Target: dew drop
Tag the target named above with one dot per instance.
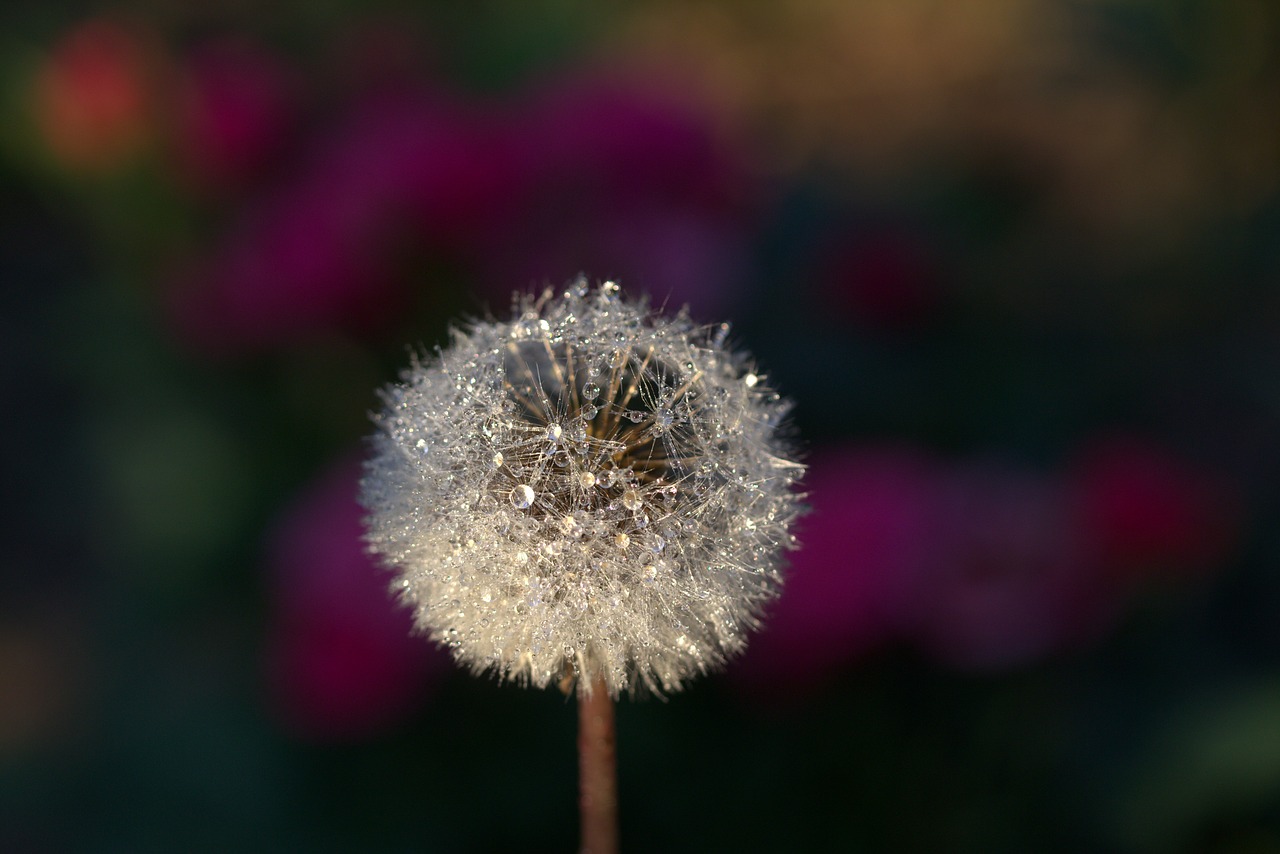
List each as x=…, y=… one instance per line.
x=635, y=416
x=607, y=478
x=751, y=380
x=522, y=496
x=422, y=446
x=586, y=480
x=591, y=391
x=589, y=411
x=497, y=460
x=622, y=541
x=554, y=432
x=630, y=499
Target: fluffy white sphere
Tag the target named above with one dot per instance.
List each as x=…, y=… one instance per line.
x=589, y=491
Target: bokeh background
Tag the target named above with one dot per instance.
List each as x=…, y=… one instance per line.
x=1016, y=261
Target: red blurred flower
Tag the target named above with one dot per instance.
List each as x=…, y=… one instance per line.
x=341, y=662
x=861, y=548
x=93, y=106
x=1151, y=513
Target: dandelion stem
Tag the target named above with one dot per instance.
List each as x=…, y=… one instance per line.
x=597, y=770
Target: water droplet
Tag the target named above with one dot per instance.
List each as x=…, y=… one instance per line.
x=630, y=500
x=607, y=478
x=751, y=380
x=522, y=557
x=622, y=541
x=589, y=412
x=497, y=460
x=635, y=416
x=577, y=289
x=561, y=458
x=591, y=391
x=422, y=446
x=522, y=496
x=663, y=418
x=586, y=480
x=554, y=432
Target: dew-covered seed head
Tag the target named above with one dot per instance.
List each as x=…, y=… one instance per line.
x=589, y=476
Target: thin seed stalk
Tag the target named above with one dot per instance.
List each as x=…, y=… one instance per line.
x=597, y=771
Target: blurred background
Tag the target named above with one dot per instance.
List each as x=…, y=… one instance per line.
x=1016, y=261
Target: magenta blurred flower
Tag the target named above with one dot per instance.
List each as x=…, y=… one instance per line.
x=341, y=660
x=979, y=565
x=882, y=276
x=1009, y=579
x=624, y=179
x=870, y=530
x=1151, y=513
x=403, y=173
x=235, y=107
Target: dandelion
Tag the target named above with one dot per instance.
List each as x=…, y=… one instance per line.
x=591, y=492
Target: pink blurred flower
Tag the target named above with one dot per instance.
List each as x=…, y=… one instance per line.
x=92, y=98
x=1151, y=513
x=341, y=662
x=235, y=106
x=1009, y=579
x=861, y=546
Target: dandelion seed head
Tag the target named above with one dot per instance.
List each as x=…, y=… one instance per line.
x=589, y=489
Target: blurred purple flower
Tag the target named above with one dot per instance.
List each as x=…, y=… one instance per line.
x=1009, y=579
x=235, y=108
x=341, y=662
x=861, y=548
x=1151, y=513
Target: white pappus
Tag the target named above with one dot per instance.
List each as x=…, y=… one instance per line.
x=590, y=491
